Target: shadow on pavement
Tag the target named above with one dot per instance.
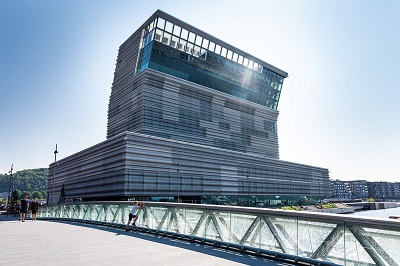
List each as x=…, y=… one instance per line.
x=197, y=247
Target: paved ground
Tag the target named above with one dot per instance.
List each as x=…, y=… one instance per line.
x=64, y=243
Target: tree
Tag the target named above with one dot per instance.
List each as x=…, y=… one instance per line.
x=26, y=180
x=62, y=194
x=37, y=194
x=15, y=197
x=25, y=193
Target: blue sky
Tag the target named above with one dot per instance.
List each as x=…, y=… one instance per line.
x=339, y=106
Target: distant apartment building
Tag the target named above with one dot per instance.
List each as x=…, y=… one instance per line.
x=384, y=190
x=358, y=189
x=340, y=189
x=361, y=189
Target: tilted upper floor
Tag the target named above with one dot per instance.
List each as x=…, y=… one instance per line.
x=170, y=46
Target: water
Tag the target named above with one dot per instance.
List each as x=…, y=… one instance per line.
x=385, y=213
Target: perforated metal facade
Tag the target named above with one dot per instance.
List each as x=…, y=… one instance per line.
x=199, y=123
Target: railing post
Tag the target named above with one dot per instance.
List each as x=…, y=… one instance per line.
x=271, y=231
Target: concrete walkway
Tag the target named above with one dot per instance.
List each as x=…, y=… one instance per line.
x=64, y=243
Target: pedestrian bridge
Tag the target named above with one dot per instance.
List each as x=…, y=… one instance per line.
x=301, y=237
x=66, y=243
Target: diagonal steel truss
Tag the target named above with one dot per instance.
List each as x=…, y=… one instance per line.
x=331, y=238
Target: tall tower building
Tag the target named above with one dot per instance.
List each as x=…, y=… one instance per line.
x=194, y=119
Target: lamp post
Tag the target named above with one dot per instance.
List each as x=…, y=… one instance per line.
x=248, y=189
x=179, y=180
x=54, y=175
x=9, y=190
x=290, y=188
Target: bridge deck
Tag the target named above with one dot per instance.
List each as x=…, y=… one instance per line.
x=63, y=243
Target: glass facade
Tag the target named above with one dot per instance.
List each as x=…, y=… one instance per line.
x=173, y=50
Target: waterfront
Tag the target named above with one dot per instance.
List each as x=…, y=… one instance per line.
x=383, y=213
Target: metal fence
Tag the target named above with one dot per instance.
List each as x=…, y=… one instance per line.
x=302, y=236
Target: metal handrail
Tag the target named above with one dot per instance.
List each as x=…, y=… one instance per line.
x=323, y=237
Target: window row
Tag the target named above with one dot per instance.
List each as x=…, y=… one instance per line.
x=264, y=172
x=182, y=39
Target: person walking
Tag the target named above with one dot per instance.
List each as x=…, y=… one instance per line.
x=35, y=208
x=23, y=208
x=133, y=214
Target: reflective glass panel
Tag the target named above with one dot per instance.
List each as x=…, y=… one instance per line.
x=189, y=48
x=174, y=41
x=250, y=65
x=196, y=51
x=168, y=27
x=203, y=54
x=199, y=39
x=166, y=38
x=217, y=49
x=205, y=43
x=245, y=62
x=240, y=59
x=235, y=57
x=255, y=66
x=229, y=54
x=148, y=38
x=177, y=30
x=192, y=36
x=211, y=47
x=223, y=51
x=158, y=35
x=160, y=23
x=184, y=34
x=152, y=25
x=182, y=45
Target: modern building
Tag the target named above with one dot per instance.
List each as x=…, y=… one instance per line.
x=382, y=191
x=340, y=190
x=349, y=190
x=362, y=189
x=190, y=118
x=358, y=189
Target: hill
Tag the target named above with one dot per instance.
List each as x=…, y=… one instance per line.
x=28, y=180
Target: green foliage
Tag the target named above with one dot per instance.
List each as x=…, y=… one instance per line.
x=25, y=193
x=291, y=208
x=37, y=194
x=328, y=206
x=28, y=181
x=371, y=200
x=15, y=195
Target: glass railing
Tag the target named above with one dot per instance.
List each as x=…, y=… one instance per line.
x=332, y=238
